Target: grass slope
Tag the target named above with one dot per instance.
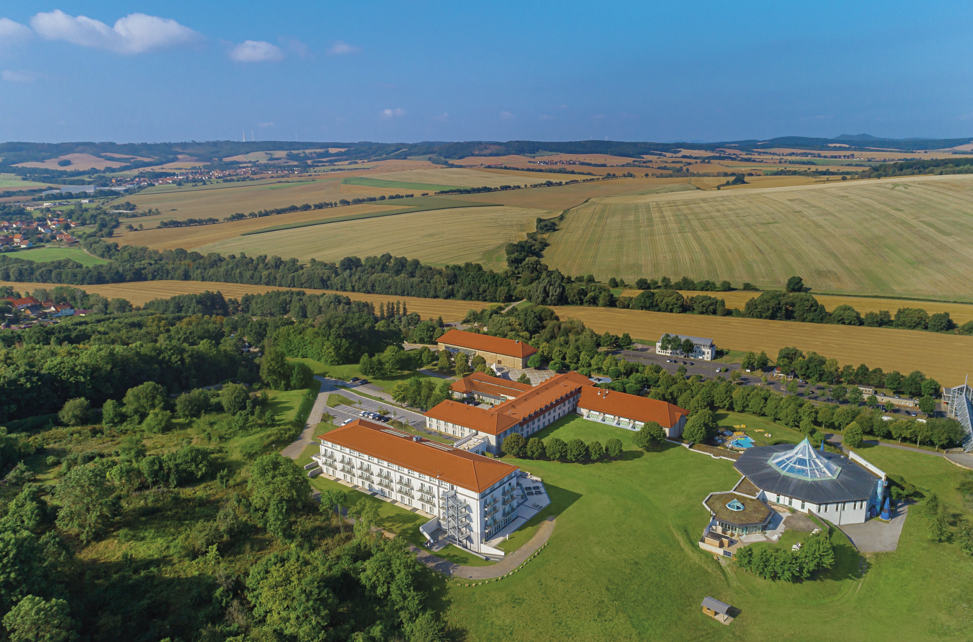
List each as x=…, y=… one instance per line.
x=622, y=563
x=43, y=254
x=901, y=237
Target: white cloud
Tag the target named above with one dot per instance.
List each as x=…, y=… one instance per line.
x=12, y=32
x=443, y=117
x=342, y=48
x=19, y=76
x=506, y=115
x=134, y=34
x=392, y=113
x=256, y=51
x=546, y=117
x=265, y=125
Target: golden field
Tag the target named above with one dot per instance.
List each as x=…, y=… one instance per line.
x=941, y=356
x=78, y=161
x=437, y=237
x=900, y=237
x=461, y=177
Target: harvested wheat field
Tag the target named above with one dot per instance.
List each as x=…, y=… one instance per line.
x=899, y=237
x=140, y=293
x=189, y=238
x=78, y=161
x=436, y=237
x=941, y=356
x=461, y=177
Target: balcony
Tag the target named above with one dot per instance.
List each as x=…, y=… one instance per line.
x=345, y=468
x=491, y=511
x=365, y=476
x=384, y=483
x=509, y=499
x=510, y=489
x=402, y=490
x=427, y=498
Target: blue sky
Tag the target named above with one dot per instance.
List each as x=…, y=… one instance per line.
x=411, y=71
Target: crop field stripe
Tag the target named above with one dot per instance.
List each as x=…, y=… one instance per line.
x=378, y=182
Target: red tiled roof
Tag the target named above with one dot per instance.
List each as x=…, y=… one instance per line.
x=479, y=419
x=486, y=343
x=452, y=465
x=621, y=404
x=485, y=384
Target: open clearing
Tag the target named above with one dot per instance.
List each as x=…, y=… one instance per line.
x=886, y=348
x=940, y=356
x=623, y=564
x=437, y=237
x=960, y=313
x=901, y=237
x=43, y=254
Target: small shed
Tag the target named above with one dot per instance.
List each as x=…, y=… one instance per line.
x=717, y=610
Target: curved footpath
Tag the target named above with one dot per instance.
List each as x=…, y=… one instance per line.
x=501, y=568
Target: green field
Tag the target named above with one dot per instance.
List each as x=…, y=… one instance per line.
x=438, y=237
x=12, y=182
x=43, y=254
x=622, y=563
x=899, y=237
x=378, y=182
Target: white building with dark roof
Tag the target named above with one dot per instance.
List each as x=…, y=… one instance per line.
x=703, y=349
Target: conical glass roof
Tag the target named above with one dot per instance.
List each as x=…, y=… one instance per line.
x=804, y=462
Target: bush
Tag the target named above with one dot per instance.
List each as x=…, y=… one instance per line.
x=577, y=451
x=555, y=449
x=158, y=422
x=535, y=448
x=649, y=435
x=853, y=435
x=141, y=400
x=514, y=445
x=596, y=451
x=112, y=414
x=193, y=404
x=74, y=412
x=613, y=448
x=234, y=398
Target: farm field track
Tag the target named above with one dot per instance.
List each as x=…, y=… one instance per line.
x=886, y=348
x=141, y=292
x=187, y=238
x=899, y=237
x=889, y=349
x=437, y=237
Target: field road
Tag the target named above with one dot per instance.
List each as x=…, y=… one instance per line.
x=944, y=357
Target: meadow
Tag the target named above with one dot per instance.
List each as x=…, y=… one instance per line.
x=437, y=237
x=903, y=237
x=12, y=182
x=43, y=254
x=622, y=563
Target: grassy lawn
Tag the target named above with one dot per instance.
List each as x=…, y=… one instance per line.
x=334, y=399
x=727, y=420
x=43, y=254
x=346, y=372
x=622, y=563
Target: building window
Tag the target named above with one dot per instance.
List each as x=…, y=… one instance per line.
x=802, y=505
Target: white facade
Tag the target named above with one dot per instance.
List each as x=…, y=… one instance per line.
x=838, y=513
x=469, y=518
x=703, y=349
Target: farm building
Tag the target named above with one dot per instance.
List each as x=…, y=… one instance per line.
x=842, y=490
x=703, y=349
x=496, y=350
x=536, y=407
x=470, y=499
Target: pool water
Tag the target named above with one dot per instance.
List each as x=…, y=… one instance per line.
x=742, y=442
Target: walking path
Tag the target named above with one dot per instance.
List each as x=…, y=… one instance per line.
x=836, y=438
x=963, y=460
x=313, y=419
x=501, y=568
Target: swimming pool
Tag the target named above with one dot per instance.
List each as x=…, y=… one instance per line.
x=742, y=442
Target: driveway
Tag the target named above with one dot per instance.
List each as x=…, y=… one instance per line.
x=875, y=536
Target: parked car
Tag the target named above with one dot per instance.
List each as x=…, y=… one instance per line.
x=691, y=363
x=719, y=370
x=346, y=421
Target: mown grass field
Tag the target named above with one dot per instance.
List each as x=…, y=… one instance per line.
x=379, y=182
x=42, y=254
x=437, y=237
x=958, y=312
x=623, y=564
x=902, y=237
x=12, y=182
